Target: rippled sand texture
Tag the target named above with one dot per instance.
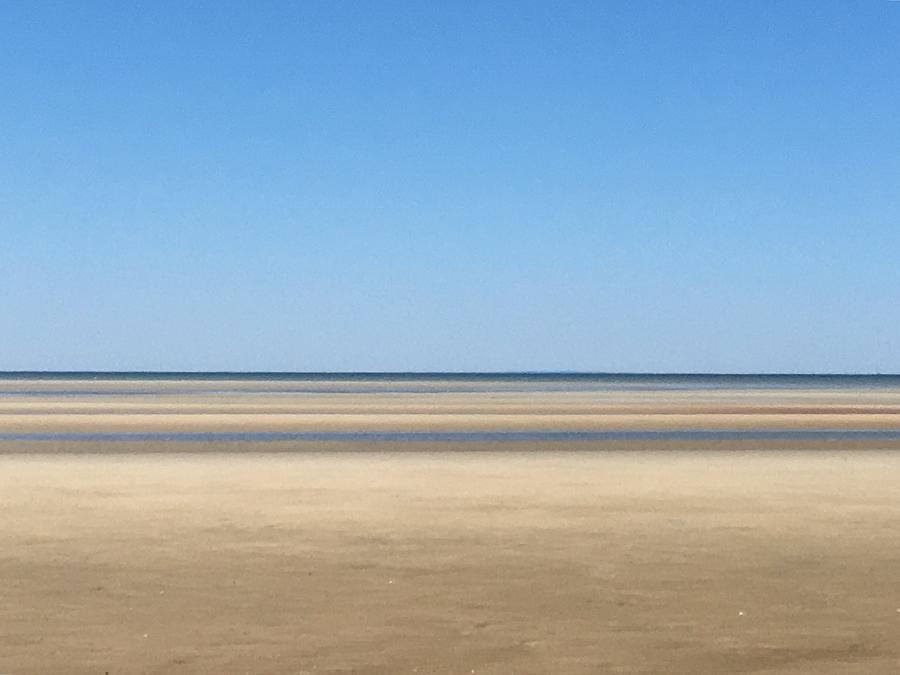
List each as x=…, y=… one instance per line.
x=493, y=563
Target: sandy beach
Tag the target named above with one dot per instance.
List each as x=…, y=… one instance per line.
x=324, y=406
x=433, y=563
x=294, y=556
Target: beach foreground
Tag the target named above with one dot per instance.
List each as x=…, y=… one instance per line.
x=484, y=562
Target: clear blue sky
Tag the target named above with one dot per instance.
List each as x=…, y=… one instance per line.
x=618, y=186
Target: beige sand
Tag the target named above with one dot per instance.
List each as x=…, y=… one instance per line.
x=430, y=422
x=636, y=562
x=92, y=407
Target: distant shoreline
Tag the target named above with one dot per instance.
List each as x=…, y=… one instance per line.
x=419, y=375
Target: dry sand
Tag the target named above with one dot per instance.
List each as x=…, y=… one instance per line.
x=626, y=556
x=546, y=562
x=430, y=421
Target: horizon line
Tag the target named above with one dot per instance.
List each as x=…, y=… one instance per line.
x=455, y=373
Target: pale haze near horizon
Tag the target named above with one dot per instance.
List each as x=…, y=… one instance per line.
x=656, y=187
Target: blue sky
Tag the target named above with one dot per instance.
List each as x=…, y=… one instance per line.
x=613, y=186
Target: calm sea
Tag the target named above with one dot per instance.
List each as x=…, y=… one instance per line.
x=14, y=383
